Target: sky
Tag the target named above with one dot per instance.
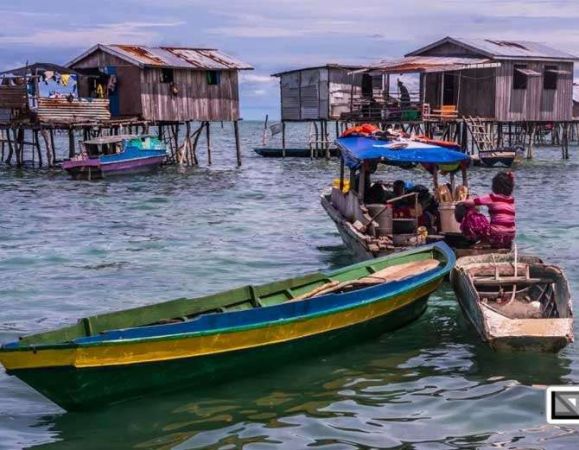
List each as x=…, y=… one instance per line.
x=276, y=35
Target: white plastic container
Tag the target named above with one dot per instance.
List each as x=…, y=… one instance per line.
x=448, y=223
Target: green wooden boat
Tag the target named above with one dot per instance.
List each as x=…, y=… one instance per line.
x=194, y=342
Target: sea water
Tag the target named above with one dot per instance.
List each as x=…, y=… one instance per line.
x=72, y=248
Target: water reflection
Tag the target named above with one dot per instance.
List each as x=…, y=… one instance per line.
x=71, y=248
x=430, y=382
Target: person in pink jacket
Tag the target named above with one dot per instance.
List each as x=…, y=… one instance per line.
x=500, y=231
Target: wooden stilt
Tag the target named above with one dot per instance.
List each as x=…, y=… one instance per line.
x=70, y=142
x=10, y=147
x=237, y=143
x=283, y=139
x=3, y=138
x=208, y=137
x=19, y=138
x=52, y=149
x=36, y=141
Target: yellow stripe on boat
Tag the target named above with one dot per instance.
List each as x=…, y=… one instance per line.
x=163, y=349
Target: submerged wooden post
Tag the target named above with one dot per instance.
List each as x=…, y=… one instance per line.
x=283, y=138
x=10, y=147
x=20, y=146
x=70, y=142
x=208, y=135
x=52, y=148
x=36, y=142
x=326, y=140
x=565, y=141
x=531, y=141
x=237, y=143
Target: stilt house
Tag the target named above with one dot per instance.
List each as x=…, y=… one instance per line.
x=324, y=92
x=505, y=81
x=162, y=84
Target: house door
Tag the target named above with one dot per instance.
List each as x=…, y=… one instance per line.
x=113, y=91
x=449, y=91
x=367, y=88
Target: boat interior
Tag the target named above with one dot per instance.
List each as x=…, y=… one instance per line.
x=110, y=145
x=359, y=276
x=388, y=211
x=527, y=290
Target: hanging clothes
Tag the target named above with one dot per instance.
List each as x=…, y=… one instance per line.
x=100, y=92
x=112, y=84
x=64, y=79
x=48, y=75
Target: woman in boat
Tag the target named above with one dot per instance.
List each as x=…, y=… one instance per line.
x=500, y=231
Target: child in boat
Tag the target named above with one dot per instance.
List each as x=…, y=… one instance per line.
x=500, y=231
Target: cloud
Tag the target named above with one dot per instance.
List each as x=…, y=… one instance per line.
x=248, y=77
x=280, y=35
x=133, y=32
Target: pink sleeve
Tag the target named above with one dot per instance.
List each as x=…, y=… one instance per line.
x=484, y=200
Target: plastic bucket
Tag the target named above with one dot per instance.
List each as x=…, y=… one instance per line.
x=384, y=220
x=448, y=223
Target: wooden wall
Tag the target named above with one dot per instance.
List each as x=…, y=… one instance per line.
x=473, y=91
x=128, y=81
x=100, y=59
x=196, y=99
x=142, y=94
x=61, y=110
x=13, y=97
x=477, y=92
x=534, y=103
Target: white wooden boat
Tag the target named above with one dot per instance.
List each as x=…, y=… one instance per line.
x=515, y=306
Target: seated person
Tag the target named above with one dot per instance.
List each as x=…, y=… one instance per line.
x=428, y=208
x=376, y=193
x=500, y=231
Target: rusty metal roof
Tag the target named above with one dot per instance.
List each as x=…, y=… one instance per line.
x=413, y=64
x=502, y=49
x=169, y=57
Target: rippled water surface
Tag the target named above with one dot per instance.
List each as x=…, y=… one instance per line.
x=71, y=248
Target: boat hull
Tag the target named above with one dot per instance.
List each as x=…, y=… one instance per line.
x=75, y=388
x=512, y=334
x=92, y=171
x=293, y=152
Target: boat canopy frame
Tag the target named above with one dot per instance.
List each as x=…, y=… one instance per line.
x=355, y=150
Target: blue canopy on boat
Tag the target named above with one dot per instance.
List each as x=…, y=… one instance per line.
x=355, y=149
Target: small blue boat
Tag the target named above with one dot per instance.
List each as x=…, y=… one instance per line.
x=116, y=155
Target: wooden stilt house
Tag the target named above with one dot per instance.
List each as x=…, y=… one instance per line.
x=163, y=84
x=324, y=92
x=504, y=81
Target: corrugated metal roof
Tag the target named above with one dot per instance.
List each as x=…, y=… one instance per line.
x=411, y=64
x=324, y=66
x=503, y=49
x=517, y=49
x=170, y=57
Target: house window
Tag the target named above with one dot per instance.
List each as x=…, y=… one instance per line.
x=519, y=77
x=213, y=77
x=166, y=75
x=550, y=78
